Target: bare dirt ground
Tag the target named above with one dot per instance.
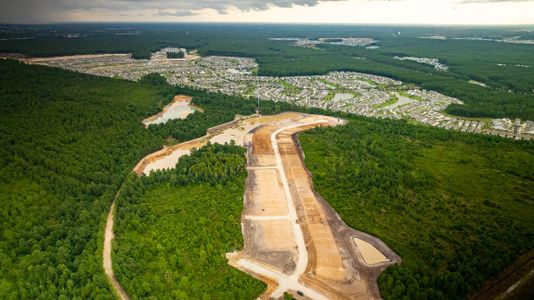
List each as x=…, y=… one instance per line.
x=177, y=101
x=317, y=253
x=369, y=253
x=107, y=262
x=235, y=130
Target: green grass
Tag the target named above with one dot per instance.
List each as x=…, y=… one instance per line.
x=457, y=208
x=413, y=97
x=330, y=96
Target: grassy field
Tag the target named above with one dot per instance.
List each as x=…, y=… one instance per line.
x=457, y=208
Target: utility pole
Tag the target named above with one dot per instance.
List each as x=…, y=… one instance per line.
x=258, y=106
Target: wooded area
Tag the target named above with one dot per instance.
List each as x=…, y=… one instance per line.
x=67, y=141
x=65, y=149
x=456, y=207
x=175, y=227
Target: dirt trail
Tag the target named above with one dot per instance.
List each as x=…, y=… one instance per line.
x=108, y=264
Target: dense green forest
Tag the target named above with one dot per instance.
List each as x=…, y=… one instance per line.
x=175, y=54
x=457, y=208
x=510, y=91
x=175, y=227
x=64, y=152
x=67, y=141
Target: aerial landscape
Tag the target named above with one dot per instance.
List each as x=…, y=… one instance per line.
x=350, y=149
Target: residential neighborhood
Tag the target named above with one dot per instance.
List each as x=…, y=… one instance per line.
x=352, y=92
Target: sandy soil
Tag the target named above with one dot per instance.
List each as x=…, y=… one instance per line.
x=369, y=253
x=107, y=262
x=268, y=194
x=179, y=108
x=328, y=263
x=166, y=162
x=236, y=130
x=167, y=157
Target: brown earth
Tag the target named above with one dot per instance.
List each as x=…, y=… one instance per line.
x=335, y=267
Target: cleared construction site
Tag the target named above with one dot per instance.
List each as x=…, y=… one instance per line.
x=294, y=241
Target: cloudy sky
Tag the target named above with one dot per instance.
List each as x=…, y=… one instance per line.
x=271, y=11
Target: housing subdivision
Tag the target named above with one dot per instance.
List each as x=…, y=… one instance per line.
x=370, y=43
x=351, y=92
x=426, y=61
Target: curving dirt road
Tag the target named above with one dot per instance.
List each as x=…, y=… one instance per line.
x=108, y=265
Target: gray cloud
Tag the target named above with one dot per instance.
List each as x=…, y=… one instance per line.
x=37, y=11
x=176, y=12
x=12, y=11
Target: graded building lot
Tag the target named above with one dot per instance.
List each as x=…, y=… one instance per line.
x=326, y=263
x=268, y=195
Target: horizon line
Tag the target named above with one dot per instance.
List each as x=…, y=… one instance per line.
x=266, y=23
